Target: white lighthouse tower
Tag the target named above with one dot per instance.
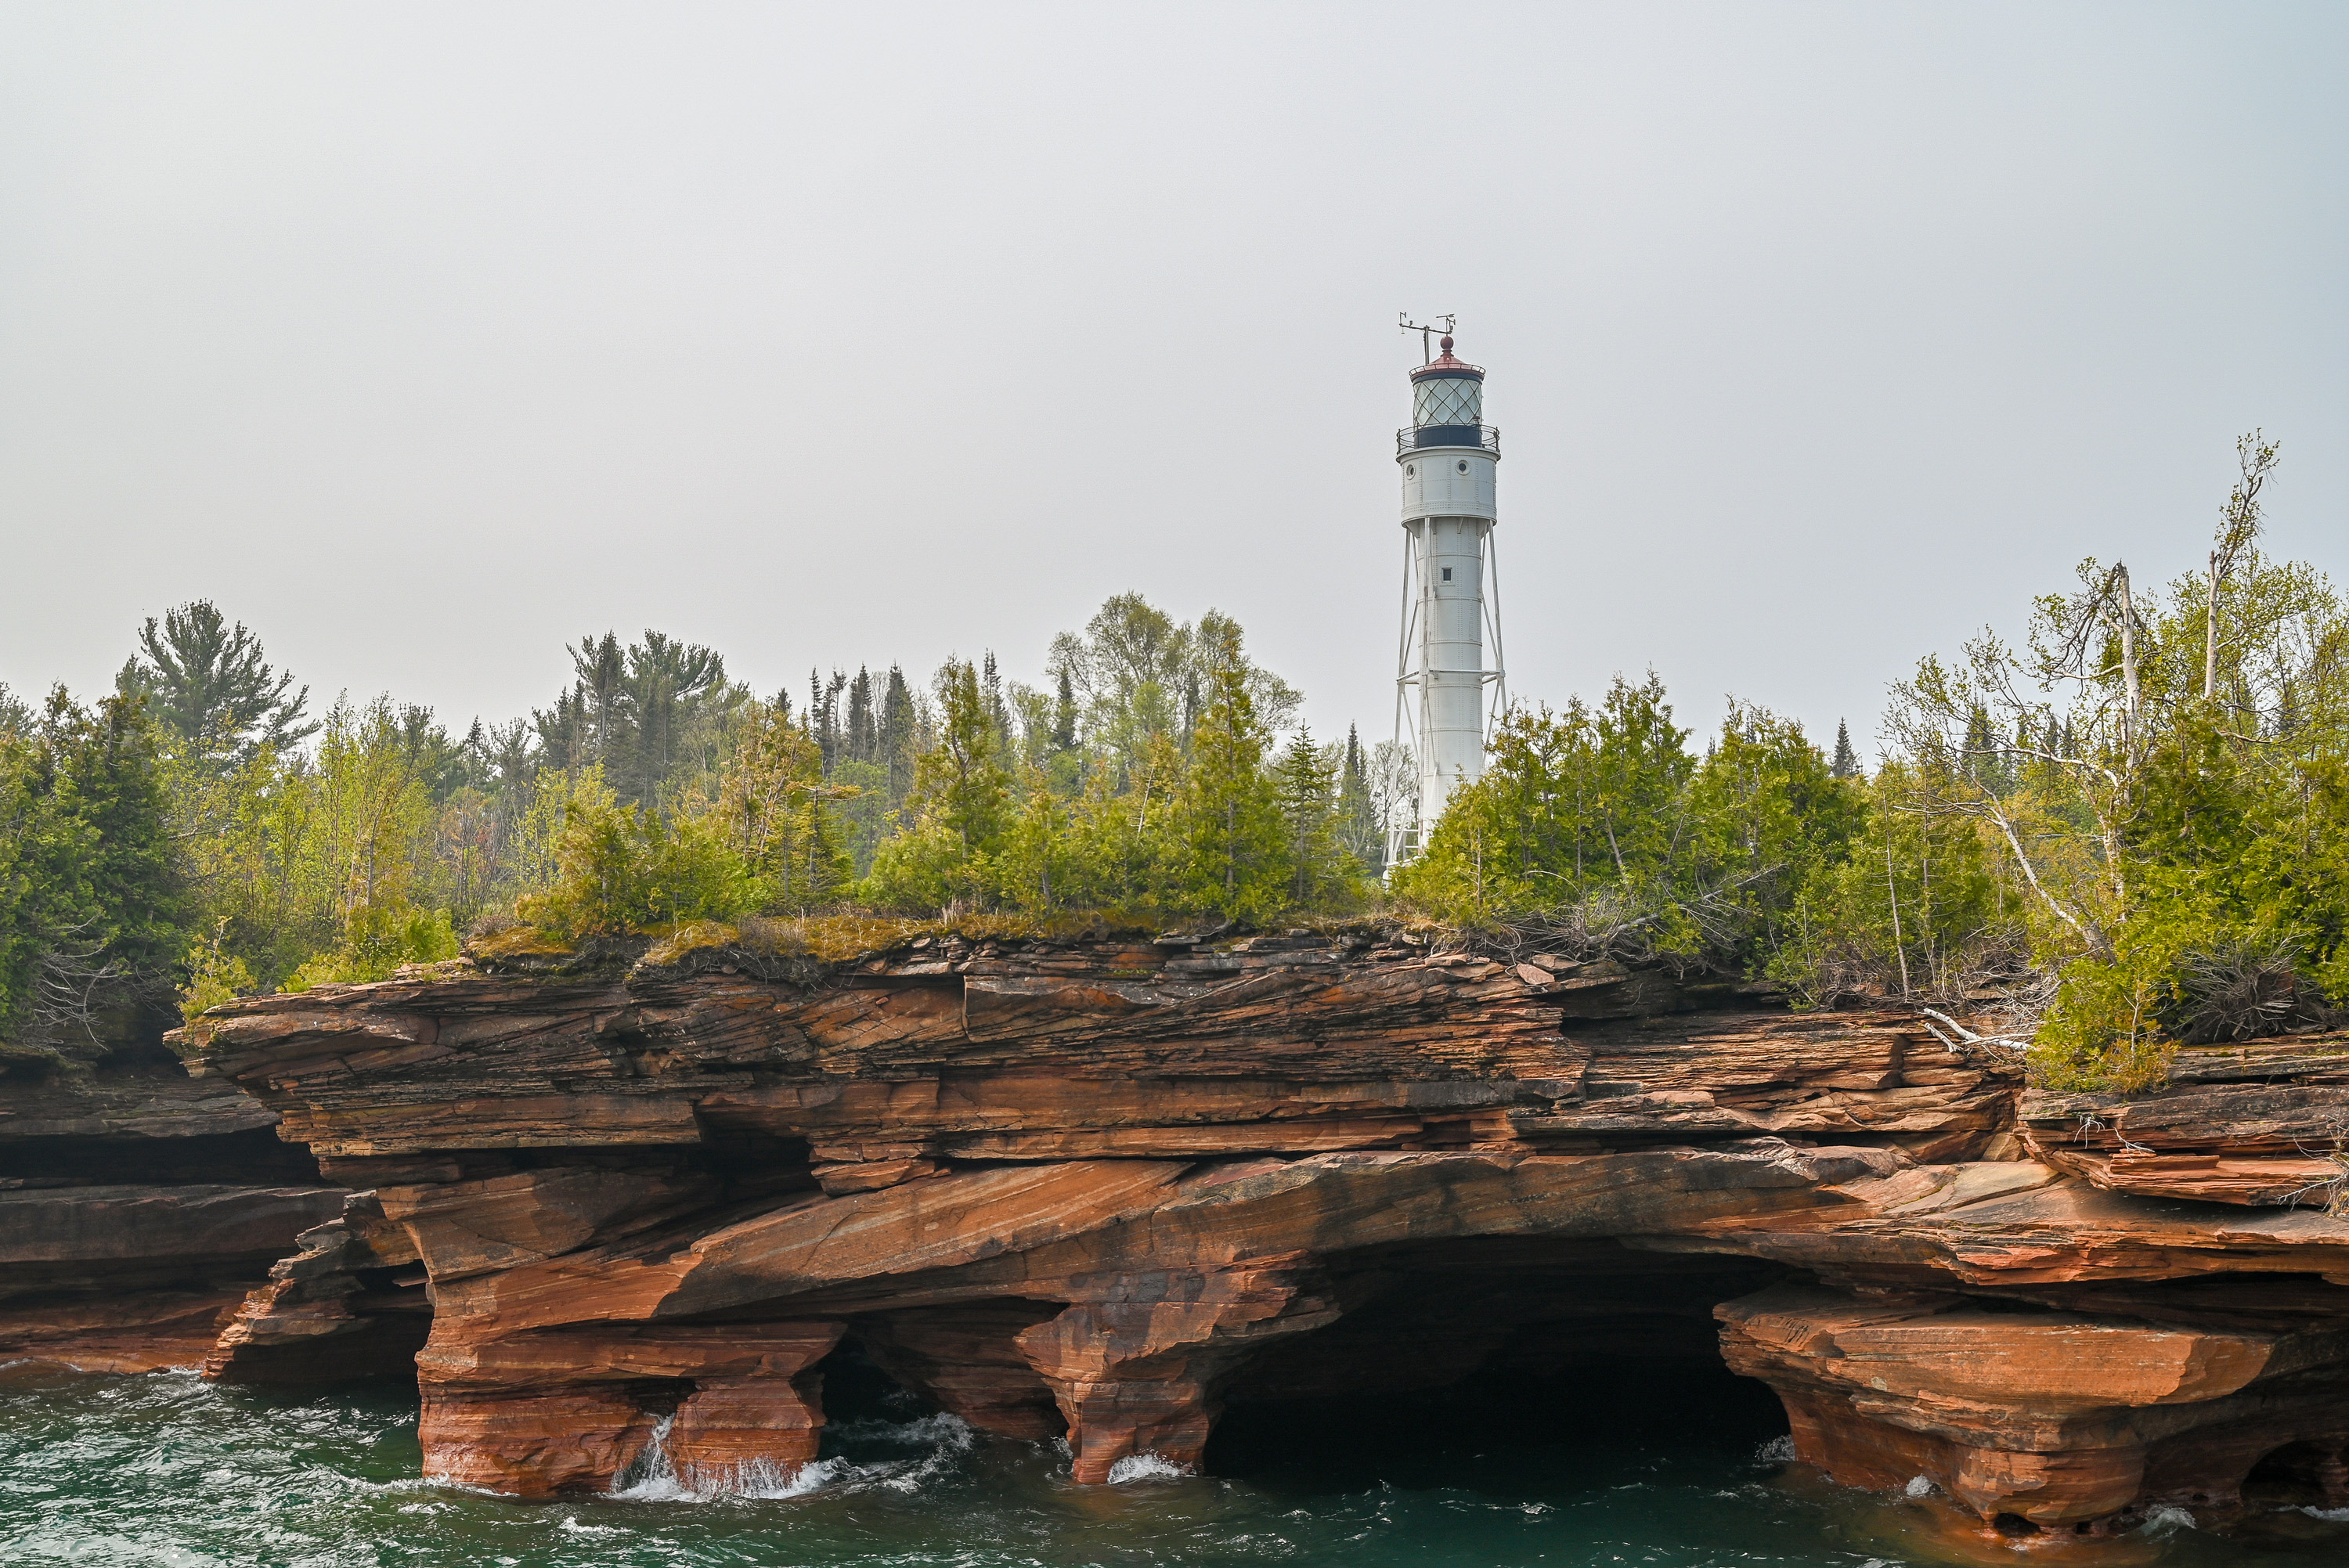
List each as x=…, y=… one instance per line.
x=1446, y=695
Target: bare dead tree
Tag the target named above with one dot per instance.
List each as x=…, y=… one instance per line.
x=2239, y=525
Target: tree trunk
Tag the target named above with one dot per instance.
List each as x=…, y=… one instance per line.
x=2129, y=657
x=2210, y=636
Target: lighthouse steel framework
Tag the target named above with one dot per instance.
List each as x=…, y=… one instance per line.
x=1446, y=698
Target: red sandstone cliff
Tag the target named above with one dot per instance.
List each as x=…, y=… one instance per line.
x=1101, y=1188
x=138, y=1208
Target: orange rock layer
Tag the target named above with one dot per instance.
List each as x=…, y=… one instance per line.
x=1101, y=1189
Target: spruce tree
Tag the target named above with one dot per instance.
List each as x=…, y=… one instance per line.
x=1358, y=821
x=1234, y=839
x=1305, y=782
x=1064, y=715
x=897, y=736
x=863, y=733
x=93, y=910
x=1846, y=763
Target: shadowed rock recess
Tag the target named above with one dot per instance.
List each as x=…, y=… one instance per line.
x=1099, y=1189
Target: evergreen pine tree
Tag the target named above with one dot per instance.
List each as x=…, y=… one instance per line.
x=1846, y=763
x=1235, y=843
x=208, y=685
x=666, y=682
x=897, y=736
x=864, y=737
x=1305, y=784
x=628, y=709
x=1357, y=821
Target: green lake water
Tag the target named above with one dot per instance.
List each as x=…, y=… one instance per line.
x=164, y=1469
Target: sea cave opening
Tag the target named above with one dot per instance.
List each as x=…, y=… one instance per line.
x=1500, y=1353
x=2298, y=1475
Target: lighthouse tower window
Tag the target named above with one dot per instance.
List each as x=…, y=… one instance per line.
x=1447, y=574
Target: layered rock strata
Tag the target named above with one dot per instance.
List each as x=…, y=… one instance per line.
x=1099, y=1189
x=2263, y=1124
x=138, y=1207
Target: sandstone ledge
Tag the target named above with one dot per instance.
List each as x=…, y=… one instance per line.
x=1100, y=1188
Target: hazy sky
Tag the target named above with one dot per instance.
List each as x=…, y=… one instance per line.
x=426, y=338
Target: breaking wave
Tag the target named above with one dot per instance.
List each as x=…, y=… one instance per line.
x=653, y=1476
x=1145, y=1467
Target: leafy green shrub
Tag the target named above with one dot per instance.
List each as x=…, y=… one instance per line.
x=377, y=941
x=621, y=869
x=214, y=974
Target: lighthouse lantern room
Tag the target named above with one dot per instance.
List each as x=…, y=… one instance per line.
x=1447, y=695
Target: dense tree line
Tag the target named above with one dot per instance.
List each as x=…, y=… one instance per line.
x=200, y=833
x=2130, y=830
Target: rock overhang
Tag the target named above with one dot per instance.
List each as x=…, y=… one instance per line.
x=1095, y=1182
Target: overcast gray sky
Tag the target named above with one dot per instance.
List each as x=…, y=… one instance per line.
x=425, y=339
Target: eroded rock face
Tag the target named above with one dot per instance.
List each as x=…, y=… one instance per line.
x=136, y=1208
x=2261, y=1125
x=1102, y=1189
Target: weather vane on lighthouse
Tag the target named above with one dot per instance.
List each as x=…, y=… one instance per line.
x=1446, y=700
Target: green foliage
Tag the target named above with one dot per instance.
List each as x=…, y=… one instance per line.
x=620, y=868
x=1572, y=805
x=1233, y=844
x=1601, y=820
x=93, y=910
x=1322, y=873
x=1910, y=907
x=214, y=975
x=375, y=941
x=208, y=685
x=636, y=712
x=776, y=812
x=1142, y=785
x=2161, y=777
x=958, y=812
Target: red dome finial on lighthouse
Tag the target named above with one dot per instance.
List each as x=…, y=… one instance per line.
x=1445, y=344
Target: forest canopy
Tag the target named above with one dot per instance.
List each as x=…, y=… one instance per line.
x=2125, y=830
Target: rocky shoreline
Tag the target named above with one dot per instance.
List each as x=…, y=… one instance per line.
x=1101, y=1188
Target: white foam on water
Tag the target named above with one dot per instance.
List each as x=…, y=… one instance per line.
x=570, y=1525
x=1145, y=1467
x=653, y=1475
x=1778, y=1450
x=650, y=1477
x=761, y=1478
x=2167, y=1518
x=2331, y=1515
x=1918, y=1486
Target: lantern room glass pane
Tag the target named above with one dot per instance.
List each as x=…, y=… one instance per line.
x=1448, y=400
